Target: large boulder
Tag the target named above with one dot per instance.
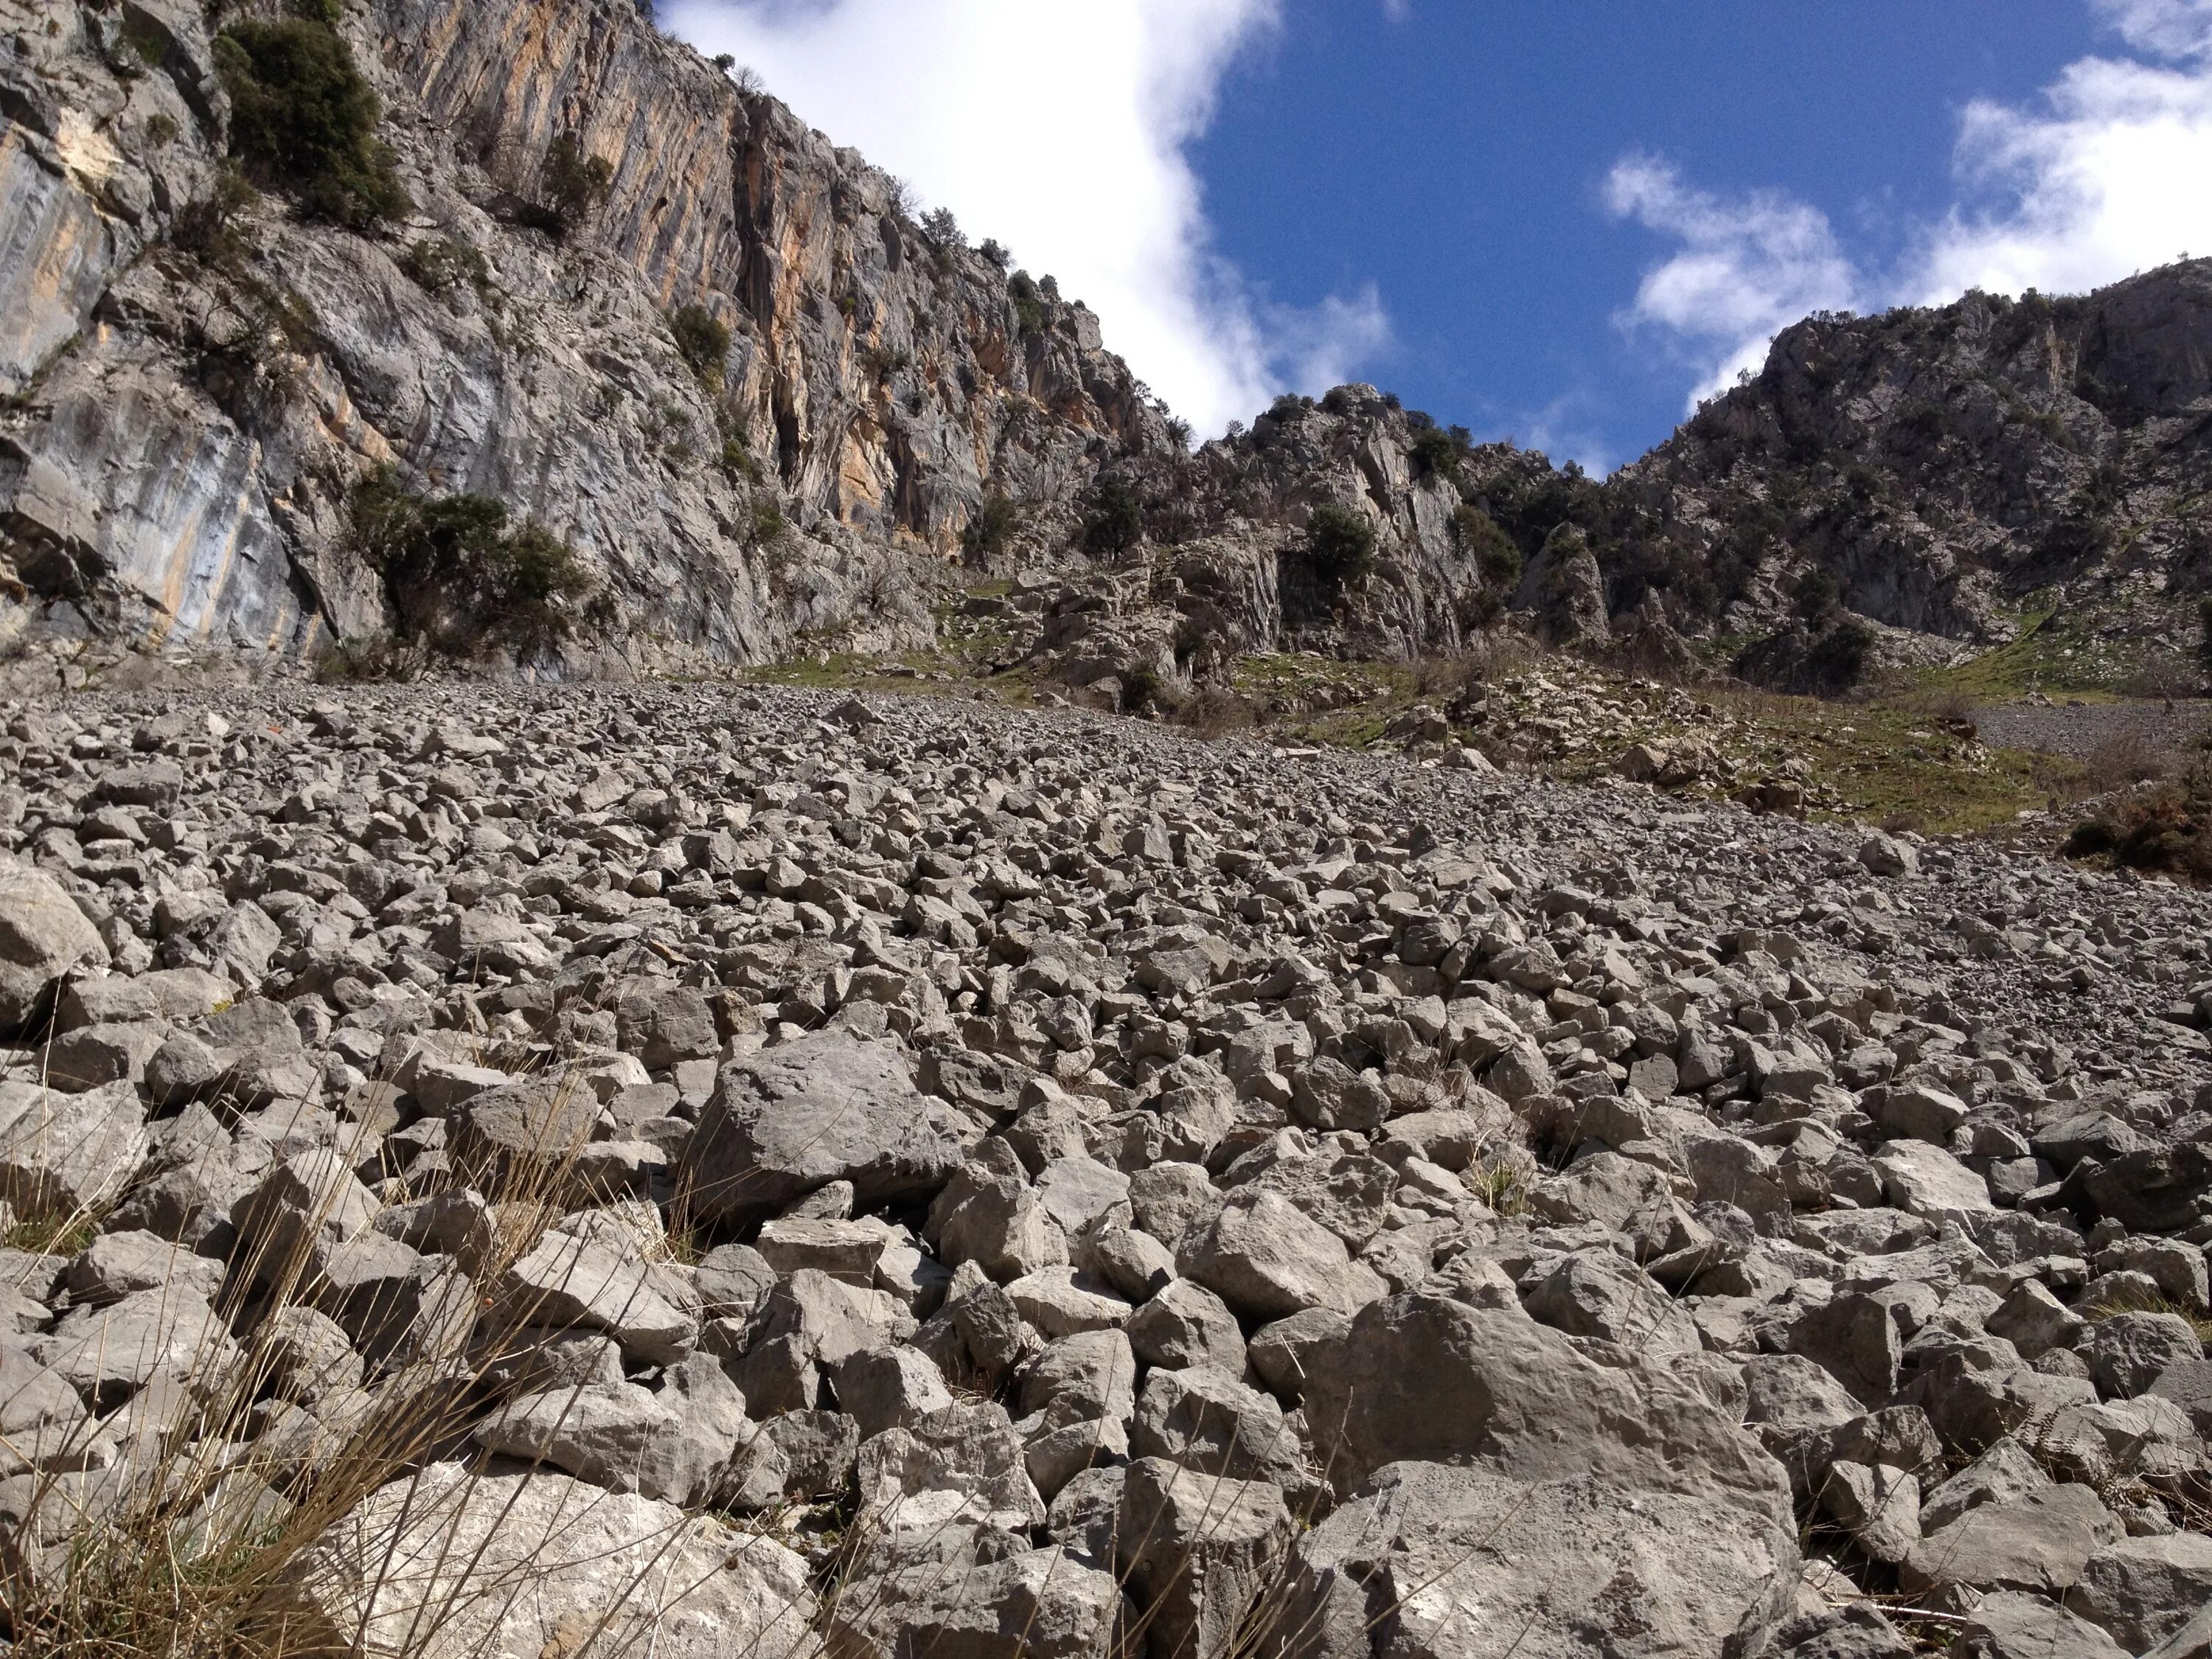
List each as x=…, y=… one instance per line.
x=43, y=938
x=570, y=1280
x=1267, y=1259
x=1197, y=1550
x=68, y=1154
x=447, y=1564
x=1585, y=1507
x=1035, y=1604
x=789, y=1120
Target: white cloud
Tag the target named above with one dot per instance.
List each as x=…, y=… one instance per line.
x=2165, y=28
x=2108, y=171
x=1749, y=266
x=1059, y=130
x=2109, y=175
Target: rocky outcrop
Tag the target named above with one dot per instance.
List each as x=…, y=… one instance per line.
x=198, y=384
x=186, y=422
x=1944, y=465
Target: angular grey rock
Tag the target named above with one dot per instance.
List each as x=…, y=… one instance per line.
x=2128, y=1351
x=1709, y=1541
x=1044, y=1603
x=2037, y=1544
x=1185, y=1324
x=1197, y=1551
x=828, y=1107
x=960, y=1465
x=571, y=1280
x=1267, y=1260
x=1502, y=1562
x=2011, y=1624
x=1207, y=1420
x=65, y=1155
x=2143, y=1591
x=43, y=937
x=396, y=1572
x=888, y=1388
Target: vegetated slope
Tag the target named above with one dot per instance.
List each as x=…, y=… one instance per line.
x=533, y=253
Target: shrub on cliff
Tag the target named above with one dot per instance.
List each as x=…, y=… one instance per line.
x=1029, y=305
x=1117, y=521
x=572, y=184
x=702, y=338
x=991, y=531
x=1340, y=546
x=303, y=118
x=1487, y=547
x=457, y=576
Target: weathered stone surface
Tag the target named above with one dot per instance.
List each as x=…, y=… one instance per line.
x=827, y=1108
x=43, y=937
x=62, y=1154
x=1197, y=1551
x=1267, y=1260
x=568, y=1560
x=2039, y=1544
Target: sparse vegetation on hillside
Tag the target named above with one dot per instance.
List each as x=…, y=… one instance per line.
x=1028, y=302
x=572, y=184
x=991, y=531
x=2163, y=826
x=1116, y=520
x=303, y=118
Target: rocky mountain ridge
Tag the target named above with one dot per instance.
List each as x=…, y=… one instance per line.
x=763, y=404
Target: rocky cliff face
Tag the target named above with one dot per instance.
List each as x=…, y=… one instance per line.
x=197, y=381
x=1950, y=467
x=184, y=428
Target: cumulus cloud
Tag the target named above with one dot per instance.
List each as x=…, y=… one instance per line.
x=1749, y=266
x=2108, y=171
x=1060, y=131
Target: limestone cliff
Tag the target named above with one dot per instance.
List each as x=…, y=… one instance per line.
x=1948, y=468
x=183, y=431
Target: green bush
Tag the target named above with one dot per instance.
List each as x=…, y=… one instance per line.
x=303, y=117
x=703, y=340
x=991, y=531
x=1487, y=547
x=737, y=460
x=2165, y=826
x=1117, y=521
x=1340, y=546
x=769, y=526
x=1029, y=303
x=208, y=228
x=454, y=573
x=1434, y=454
x=440, y=264
x=1817, y=594
x=573, y=184
x=1838, y=656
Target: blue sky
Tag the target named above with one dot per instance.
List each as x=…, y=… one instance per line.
x=1458, y=160
x=1561, y=222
